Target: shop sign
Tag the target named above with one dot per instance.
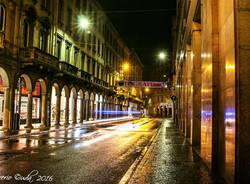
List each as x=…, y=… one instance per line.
x=141, y=84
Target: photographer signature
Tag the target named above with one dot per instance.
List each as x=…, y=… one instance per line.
x=33, y=176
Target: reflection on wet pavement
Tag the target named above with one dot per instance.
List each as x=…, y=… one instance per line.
x=170, y=160
x=21, y=145
x=104, y=157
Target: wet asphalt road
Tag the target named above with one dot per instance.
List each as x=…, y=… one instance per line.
x=84, y=156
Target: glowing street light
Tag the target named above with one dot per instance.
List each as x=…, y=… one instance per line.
x=83, y=22
x=147, y=90
x=125, y=66
x=162, y=55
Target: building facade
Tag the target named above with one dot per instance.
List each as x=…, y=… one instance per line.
x=158, y=102
x=51, y=71
x=212, y=83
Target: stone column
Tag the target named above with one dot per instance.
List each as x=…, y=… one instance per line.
x=91, y=110
x=242, y=133
x=189, y=100
x=43, y=110
x=6, y=120
x=100, y=110
x=81, y=110
x=87, y=109
x=112, y=109
x=84, y=109
x=96, y=110
x=107, y=110
x=66, y=123
x=75, y=110
x=196, y=80
x=58, y=107
x=116, y=110
x=29, y=111
x=104, y=110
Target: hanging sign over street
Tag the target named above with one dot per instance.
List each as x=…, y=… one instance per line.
x=141, y=84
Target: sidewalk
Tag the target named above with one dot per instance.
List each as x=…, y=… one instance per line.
x=170, y=159
x=24, y=132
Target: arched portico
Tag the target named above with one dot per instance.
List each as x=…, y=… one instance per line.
x=55, y=104
x=87, y=105
x=80, y=106
x=92, y=106
x=39, y=101
x=23, y=101
x=64, y=115
x=4, y=99
x=73, y=106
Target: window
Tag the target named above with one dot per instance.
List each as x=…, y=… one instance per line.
x=76, y=53
x=77, y=4
x=60, y=11
x=89, y=42
x=93, y=68
x=98, y=47
x=84, y=5
x=88, y=64
x=83, y=61
x=67, y=52
x=58, y=47
x=43, y=40
x=94, y=44
x=45, y=4
x=2, y=17
x=69, y=19
x=25, y=34
x=98, y=71
x=103, y=51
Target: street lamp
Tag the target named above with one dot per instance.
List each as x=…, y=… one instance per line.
x=125, y=66
x=162, y=55
x=83, y=22
x=147, y=90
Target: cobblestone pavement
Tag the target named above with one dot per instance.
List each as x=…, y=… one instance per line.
x=171, y=160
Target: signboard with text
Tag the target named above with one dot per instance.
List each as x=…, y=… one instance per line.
x=141, y=84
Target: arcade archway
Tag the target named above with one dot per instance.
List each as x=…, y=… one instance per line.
x=4, y=99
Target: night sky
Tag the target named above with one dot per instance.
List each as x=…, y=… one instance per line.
x=145, y=26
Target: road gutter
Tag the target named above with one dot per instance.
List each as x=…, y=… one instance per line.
x=130, y=172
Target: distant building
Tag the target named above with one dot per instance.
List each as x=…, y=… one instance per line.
x=159, y=103
x=52, y=71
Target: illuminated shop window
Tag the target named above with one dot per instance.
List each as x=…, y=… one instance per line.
x=36, y=101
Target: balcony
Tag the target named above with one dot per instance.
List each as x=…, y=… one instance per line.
x=8, y=48
x=32, y=56
x=68, y=68
x=104, y=84
x=84, y=75
x=96, y=80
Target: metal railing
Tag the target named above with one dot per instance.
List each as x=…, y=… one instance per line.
x=36, y=56
x=68, y=68
x=84, y=75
